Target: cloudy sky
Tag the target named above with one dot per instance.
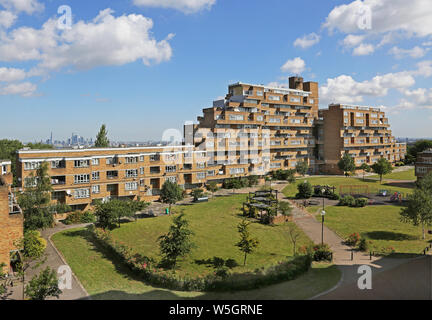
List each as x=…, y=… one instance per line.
x=143, y=66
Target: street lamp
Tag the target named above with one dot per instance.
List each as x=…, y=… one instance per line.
x=322, y=217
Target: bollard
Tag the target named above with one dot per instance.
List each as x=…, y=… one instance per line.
x=370, y=255
x=352, y=255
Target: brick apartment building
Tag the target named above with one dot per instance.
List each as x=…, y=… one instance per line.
x=11, y=218
x=423, y=164
x=362, y=132
x=256, y=129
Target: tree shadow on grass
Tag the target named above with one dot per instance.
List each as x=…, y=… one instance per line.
x=410, y=185
x=388, y=235
x=217, y=262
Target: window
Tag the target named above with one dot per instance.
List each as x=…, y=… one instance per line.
x=81, y=163
x=273, y=98
x=201, y=165
x=170, y=168
x=129, y=186
x=131, y=159
x=131, y=173
x=265, y=105
x=421, y=170
x=374, y=115
x=30, y=182
x=81, y=178
x=141, y=158
x=56, y=164
x=82, y=193
x=154, y=170
x=260, y=118
x=142, y=170
x=171, y=179
x=374, y=121
x=259, y=93
x=112, y=174
x=210, y=173
x=274, y=120
x=32, y=165
x=171, y=157
x=236, y=117
x=346, y=120
x=111, y=160
x=295, y=99
x=237, y=170
x=360, y=121
x=154, y=157
x=359, y=114
x=296, y=142
x=250, y=101
x=201, y=175
x=275, y=165
x=96, y=189
x=95, y=175
x=295, y=121
x=311, y=101
x=95, y=162
x=3, y=169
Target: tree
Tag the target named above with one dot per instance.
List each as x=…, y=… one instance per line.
x=294, y=234
x=197, y=193
x=8, y=149
x=43, y=286
x=285, y=208
x=302, y=168
x=419, y=146
x=171, y=193
x=39, y=146
x=305, y=190
x=382, y=167
x=101, y=138
x=110, y=213
x=247, y=244
x=212, y=187
x=419, y=209
x=366, y=168
x=35, y=200
x=346, y=164
x=177, y=242
x=33, y=252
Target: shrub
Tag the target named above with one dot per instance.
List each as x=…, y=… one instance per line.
x=62, y=208
x=361, y=202
x=322, y=252
x=212, y=186
x=305, y=190
x=252, y=180
x=364, y=245
x=333, y=196
x=347, y=201
x=77, y=217
x=197, y=193
x=353, y=239
x=285, y=208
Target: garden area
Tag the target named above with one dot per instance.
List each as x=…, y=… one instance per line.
x=215, y=234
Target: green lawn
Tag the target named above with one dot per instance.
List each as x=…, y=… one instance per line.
x=105, y=278
x=380, y=224
x=215, y=233
x=402, y=175
x=373, y=185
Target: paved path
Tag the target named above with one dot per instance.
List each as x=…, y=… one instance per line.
x=54, y=261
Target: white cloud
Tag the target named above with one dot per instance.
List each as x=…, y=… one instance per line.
x=415, y=52
x=11, y=74
x=296, y=65
x=415, y=99
x=414, y=16
x=424, y=68
x=352, y=40
x=27, y=6
x=186, y=6
x=7, y=19
x=307, y=41
x=105, y=41
x=364, y=49
x=344, y=89
x=25, y=89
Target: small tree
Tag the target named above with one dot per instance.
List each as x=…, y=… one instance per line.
x=346, y=164
x=290, y=176
x=110, y=213
x=302, y=168
x=102, y=138
x=366, y=168
x=43, y=286
x=197, y=193
x=305, y=190
x=382, y=167
x=177, y=242
x=246, y=244
x=294, y=234
x=285, y=208
x=419, y=209
x=212, y=187
x=171, y=193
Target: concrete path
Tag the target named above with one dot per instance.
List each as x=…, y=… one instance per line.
x=54, y=261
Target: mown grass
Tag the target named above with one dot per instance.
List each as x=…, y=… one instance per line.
x=105, y=278
x=215, y=234
x=373, y=185
x=379, y=224
x=402, y=175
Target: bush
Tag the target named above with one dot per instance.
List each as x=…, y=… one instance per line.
x=333, y=196
x=305, y=190
x=347, y=201
x=352, y=239
x=221, y=280
x=322, y=252
x=285, y=208
x=197, y=193
x=364, y=245
x=62, y=208
x=235, y=183
x=78, y=217
x=360, y=202
x=212, y=186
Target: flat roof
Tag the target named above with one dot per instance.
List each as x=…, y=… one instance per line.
x=25, y=151
x=268, y=87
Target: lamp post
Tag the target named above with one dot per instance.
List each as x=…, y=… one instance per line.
x=322, y=218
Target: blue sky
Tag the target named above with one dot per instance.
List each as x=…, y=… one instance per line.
x=144, y=66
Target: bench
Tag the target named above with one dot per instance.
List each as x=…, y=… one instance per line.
x=203, y=199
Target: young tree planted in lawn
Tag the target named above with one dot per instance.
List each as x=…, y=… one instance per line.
x=302, y=167
x=35, y=200
x=366, y=168
x=285, y=208
x=346, y=164
x=294, y=234
x=382, y=167
x=419, y=209
x=247, y=244
x=171, y=193
x=110, y=213
x=43, y=286
x=102, y=138
x=305, y=190
x=212, y=187
x=177, y=242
